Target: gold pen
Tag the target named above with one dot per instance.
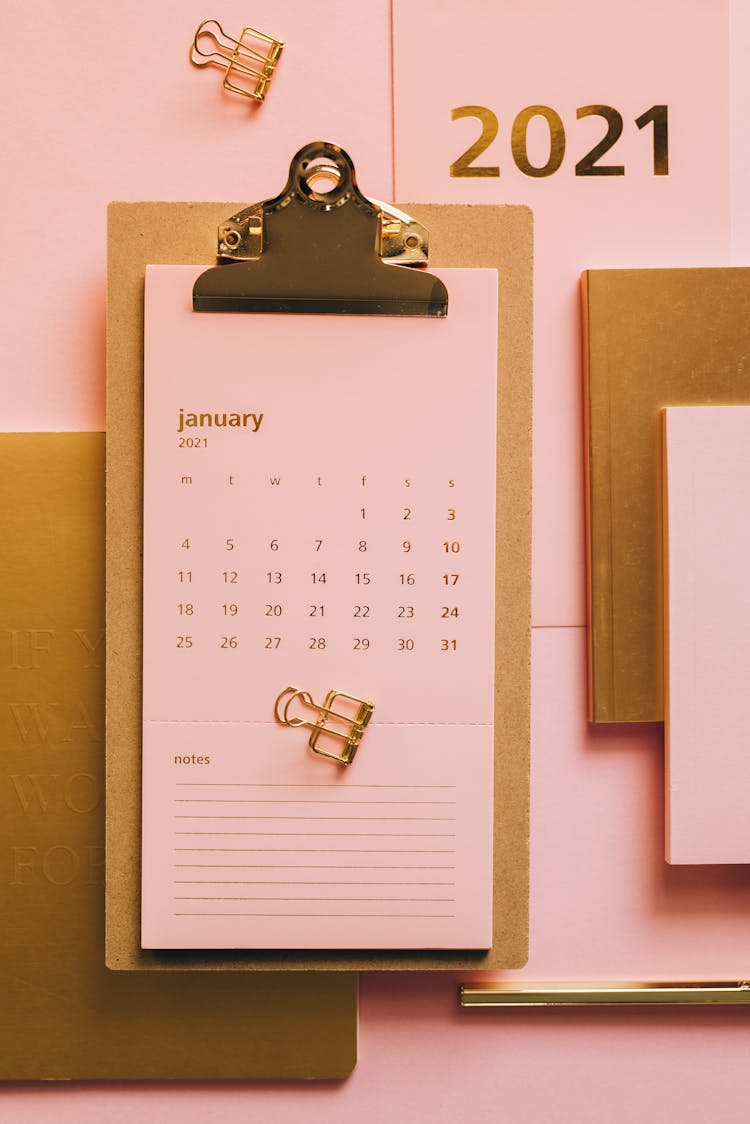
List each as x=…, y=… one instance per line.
x=605, y=994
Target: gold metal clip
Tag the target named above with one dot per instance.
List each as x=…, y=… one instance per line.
x=329, y=723
x=401, y=240
x=321, y=246
x=237, y=57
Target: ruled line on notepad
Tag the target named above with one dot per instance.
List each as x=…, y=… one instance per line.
x=312, y=784
x=347, y=834
x=406, y=916
x=313, y=850
x=316, y=850
x=301, y=866
x=337, y=818
x=296, y=898
x=296, y=800
x=292, y=882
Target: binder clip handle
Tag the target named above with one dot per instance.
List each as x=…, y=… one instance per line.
x=290, y=694
x=323, y=161
x=217, y=38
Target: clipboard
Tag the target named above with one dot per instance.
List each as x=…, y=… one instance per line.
x=142, y=234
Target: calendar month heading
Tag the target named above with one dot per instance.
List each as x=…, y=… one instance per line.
x=189, y=420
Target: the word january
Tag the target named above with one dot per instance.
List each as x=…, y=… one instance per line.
x=189, y=420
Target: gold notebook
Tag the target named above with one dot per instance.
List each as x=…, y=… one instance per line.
x=652, y=338
x=63, y=1015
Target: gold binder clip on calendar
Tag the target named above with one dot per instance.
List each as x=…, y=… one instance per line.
x=239, y=58
x=347, y=727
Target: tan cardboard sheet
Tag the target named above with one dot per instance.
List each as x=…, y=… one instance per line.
x=498, y=237
x=63, y=1016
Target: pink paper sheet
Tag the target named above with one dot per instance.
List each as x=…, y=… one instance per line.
x=630, y=57
x=739, y=72
x=604, y=904
x=329, y=525
x=707, y=720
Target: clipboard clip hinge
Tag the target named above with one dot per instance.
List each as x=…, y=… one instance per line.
x=346, y=726
x=401, y=239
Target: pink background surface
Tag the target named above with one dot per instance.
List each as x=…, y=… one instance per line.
x=104, y=107
x=103, y=104
x=739, y=43
x=580, y=222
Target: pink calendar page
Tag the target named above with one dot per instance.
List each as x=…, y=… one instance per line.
x=319, y=513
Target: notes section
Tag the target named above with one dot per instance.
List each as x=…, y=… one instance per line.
x=266, y=846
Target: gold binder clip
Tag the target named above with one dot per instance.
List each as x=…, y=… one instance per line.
x=329, y=723
x=237, y=57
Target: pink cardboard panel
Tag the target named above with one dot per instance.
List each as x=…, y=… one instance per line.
x=707, y=720
x=106, y=105
x=604, y=904
x=739, y=45
x=552, y=82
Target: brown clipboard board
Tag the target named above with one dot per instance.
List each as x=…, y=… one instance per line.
x=497, y=237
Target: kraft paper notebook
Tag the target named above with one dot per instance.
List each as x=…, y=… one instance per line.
x=63, y=1015
x=652, y=338
x=205, y=819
